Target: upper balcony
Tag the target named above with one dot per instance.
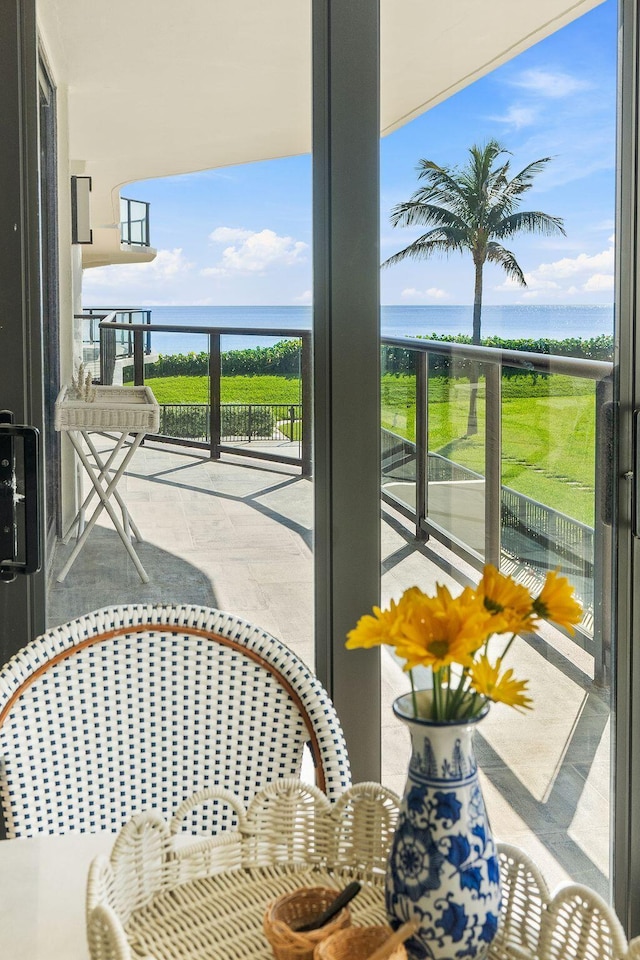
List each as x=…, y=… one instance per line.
x=127, y=241
x=134, y=222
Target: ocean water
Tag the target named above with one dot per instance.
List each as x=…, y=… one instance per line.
x=558, y=322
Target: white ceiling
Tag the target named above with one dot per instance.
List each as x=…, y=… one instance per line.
x=158, y=87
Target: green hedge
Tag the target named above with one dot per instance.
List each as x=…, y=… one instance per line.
x=191, y=421
x=282, y=359
x=399, y=360
x=258, y=422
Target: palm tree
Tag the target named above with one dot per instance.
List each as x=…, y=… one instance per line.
x=472, y=209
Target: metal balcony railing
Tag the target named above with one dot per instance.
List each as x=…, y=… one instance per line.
x=134, y=222
x=118, y=347
x=513, y=526
x=215, y=437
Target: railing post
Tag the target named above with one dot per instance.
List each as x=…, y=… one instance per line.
x=493, y=464
x=138, y=358
x=306, y=433
x=422, y=442
x=107, y=355
x=602, y=536
x=147, y=345
x=249, y=423
x=215, y=372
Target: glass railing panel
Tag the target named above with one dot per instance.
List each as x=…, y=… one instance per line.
x=548, y=477
x=176, y=368
x=134, y=222
x=261, y=395
x=456, y=422
x=398, y=426
x=90, y=340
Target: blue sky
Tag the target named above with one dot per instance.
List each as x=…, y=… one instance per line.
x=242, y=235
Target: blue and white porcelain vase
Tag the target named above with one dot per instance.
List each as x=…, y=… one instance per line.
x=443, y=867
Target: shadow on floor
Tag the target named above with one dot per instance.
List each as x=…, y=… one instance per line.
x=95, y=581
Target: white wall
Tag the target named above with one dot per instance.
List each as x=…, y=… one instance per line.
x=69, y=256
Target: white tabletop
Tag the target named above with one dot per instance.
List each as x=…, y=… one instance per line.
x=43, y=884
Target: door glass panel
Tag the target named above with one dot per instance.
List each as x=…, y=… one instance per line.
x=522, y=480
x=216, y=503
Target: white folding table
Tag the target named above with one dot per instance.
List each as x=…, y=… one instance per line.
x=129, y=413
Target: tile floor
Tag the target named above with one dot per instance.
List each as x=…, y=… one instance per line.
x=237, y=534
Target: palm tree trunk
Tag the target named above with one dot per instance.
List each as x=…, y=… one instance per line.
x=474, y=373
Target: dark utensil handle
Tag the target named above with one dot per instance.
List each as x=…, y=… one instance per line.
x=334, y=907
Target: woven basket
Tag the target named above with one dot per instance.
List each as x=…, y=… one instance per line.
x=299, y=907
x=357, y=943
x=114, y=408
x=290, y=836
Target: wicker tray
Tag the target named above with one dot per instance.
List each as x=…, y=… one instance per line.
x=160, y=899
x=114, y=408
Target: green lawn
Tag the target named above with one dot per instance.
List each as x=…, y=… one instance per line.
x=548, y=426
x=233, y=389
x=548, y=439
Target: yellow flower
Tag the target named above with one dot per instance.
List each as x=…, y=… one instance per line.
x=556, y=603
x=508, y=601
x=486, y=680
x=371, y=631
x=438, y=631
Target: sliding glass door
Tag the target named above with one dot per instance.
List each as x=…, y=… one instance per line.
x=507, y=427
x=540, y=476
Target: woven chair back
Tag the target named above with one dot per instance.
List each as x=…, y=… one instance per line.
x=136, y=707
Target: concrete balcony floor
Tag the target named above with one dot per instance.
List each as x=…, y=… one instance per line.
x=237, y=534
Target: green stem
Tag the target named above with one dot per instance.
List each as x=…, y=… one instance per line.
x=469, y=712
x=458, y=696
x=504, y=652
x=413, y=696
x=448, y=694
x=436, y=696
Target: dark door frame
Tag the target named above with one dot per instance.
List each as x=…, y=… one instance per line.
x=22, y=601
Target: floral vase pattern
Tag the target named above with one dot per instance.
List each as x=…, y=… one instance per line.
x=443, y=868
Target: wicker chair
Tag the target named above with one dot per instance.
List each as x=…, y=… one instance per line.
x=137, y=707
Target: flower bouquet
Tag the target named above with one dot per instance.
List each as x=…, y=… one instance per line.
x=451, y=635
x=443, y=869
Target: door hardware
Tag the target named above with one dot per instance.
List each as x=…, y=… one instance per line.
x=19, y=511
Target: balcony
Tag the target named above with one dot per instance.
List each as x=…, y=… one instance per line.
x=227, y=522
x=125, y=241
x=134, y=222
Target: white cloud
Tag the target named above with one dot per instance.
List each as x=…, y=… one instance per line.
x=586, y=273
x=549, y=83
x=305, y=297
x=517, y=117
x=229, y=234
x=168, y=265
x=599, y=281
x=433, y=293
x=570, y=266
x=251, y=252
